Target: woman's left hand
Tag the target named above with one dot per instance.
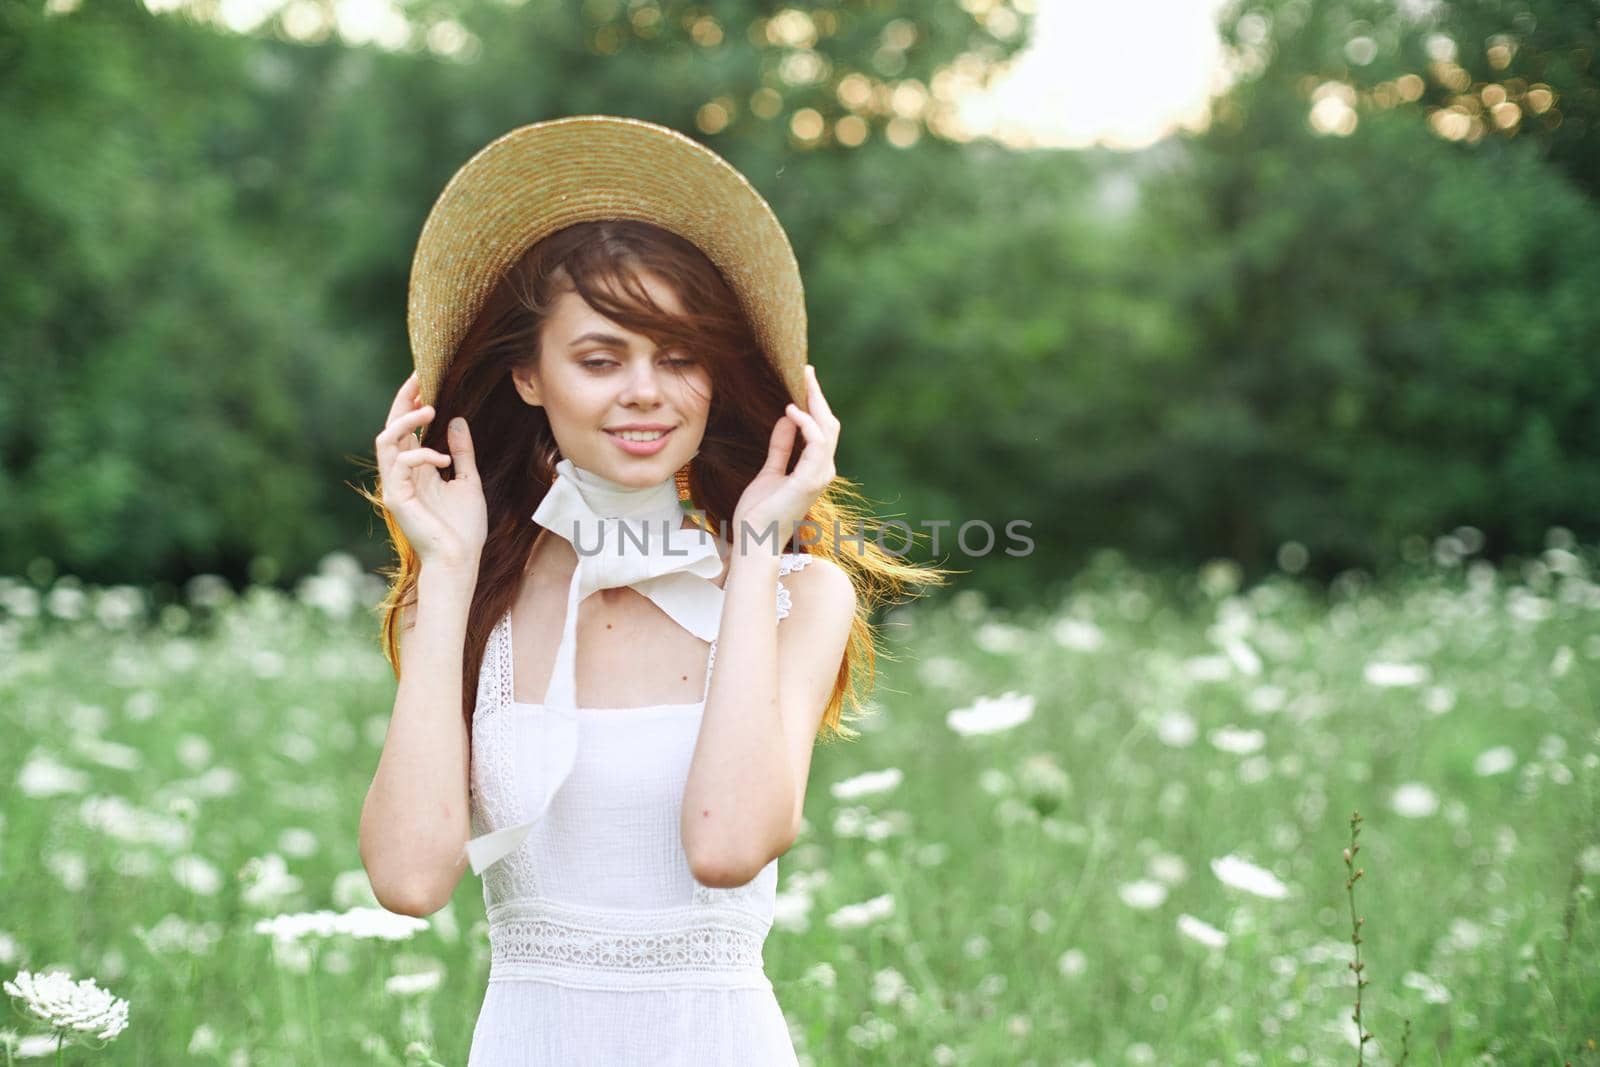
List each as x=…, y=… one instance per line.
x=775, y=500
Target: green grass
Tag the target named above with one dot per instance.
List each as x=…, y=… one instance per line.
x=1038, y=874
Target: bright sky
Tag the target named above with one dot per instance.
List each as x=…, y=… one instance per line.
x=1121, y=72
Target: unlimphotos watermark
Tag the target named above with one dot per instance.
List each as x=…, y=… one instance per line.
x=974, y=537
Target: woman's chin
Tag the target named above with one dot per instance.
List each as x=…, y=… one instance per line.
x=638, y=472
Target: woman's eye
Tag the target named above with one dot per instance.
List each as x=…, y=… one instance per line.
x=600, y=364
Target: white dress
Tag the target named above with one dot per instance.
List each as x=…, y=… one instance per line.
x=604, y=949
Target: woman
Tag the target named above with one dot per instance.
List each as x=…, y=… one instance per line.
x=625, y=802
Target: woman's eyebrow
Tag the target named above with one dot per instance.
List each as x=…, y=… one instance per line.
x=603, y=338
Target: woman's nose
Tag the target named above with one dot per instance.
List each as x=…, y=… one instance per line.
x=642, y=386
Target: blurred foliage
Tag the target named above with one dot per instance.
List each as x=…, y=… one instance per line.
x=1497, y=69
x=1270, y=331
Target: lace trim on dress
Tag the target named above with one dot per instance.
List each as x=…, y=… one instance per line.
x=613, y=947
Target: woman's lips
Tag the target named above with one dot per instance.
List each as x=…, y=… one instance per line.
x=641, y=448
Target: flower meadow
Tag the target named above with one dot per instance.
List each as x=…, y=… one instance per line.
x=1107, y=830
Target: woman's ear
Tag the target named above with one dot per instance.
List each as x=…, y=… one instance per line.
x=526, y=381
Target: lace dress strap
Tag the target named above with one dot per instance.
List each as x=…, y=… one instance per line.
x=789, y=561
x=495, y=689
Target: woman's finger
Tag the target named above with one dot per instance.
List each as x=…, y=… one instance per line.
x=392, y=435
x=816, y=403
x=403, y=400
x=818, y=455
x=779, y=445
x=408, y=419
x=459, y=435
x=413, y=457
x=808, y=425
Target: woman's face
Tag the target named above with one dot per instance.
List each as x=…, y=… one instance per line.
x=596, y=379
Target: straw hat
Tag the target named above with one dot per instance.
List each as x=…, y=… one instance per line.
x=537, y=179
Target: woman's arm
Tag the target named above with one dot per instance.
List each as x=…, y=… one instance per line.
x=735, y=799
x=769, y=690
x=416, y=818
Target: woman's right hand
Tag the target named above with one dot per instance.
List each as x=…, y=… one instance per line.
x=445, y=522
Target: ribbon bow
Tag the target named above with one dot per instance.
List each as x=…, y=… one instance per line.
x=628, y=537
x=624, y=536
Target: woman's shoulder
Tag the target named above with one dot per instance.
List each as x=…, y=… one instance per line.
x=817, y=580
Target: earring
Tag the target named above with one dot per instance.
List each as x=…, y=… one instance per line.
x=683, y=477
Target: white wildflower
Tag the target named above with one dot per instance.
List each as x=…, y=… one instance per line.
x=1242, y=874
x=1387, y=674
x=1220, y=577
x=408, y=985
x=204, y=1041
x=1208, y=668
x=1201, y=931
x=174, y=934
x=868, y=784
x=1000, y=638
x=1465, y=935
x=1267, y=699
x=1043, y=779
x=70, y=867
x=1495, y=760
x=887, y=985
x=852, y=916
x=1414, y=800
x=942, y=672
x=1142, y=894
x=1432, y=991
x=80, y=1007
x=37, y=1046
x=1176, y=729
x=991, y=714
x=379, y=924
x=291, y=927
x=357, y=922
x=1167, y=867
x=1438, y=699
x=1528, y=607
x=1078, y=635
x=118, y=757
x=45, y=776
x=1244, y=657
x=298, y=842
x=267, y=880
x=821, y=974
x=850, y=822
x=995, y=782
x=1255, y=769
x=118, y=818
x=791, y=910
x=1239, y=742
x=194, y=752
x=197, y=875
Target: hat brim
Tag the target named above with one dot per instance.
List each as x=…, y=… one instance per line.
x=538, y=179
